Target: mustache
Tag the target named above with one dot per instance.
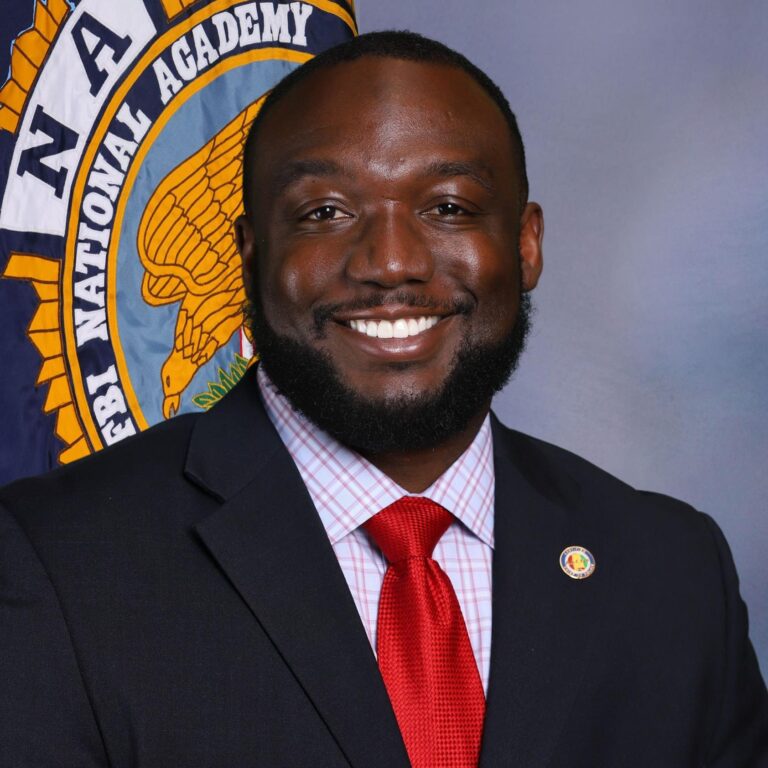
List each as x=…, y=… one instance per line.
x=457, y=306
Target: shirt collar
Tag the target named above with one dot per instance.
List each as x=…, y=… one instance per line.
x=347, y=489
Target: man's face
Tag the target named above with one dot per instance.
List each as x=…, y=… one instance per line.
x=387, y=233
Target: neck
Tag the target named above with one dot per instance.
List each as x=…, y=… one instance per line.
x=417, y=470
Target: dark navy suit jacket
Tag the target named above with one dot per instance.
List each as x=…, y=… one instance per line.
x=174, y=601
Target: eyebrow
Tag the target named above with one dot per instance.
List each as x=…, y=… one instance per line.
x=478, y=172
x=297, y=170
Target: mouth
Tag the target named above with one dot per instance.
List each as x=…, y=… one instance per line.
x=395, y=334
x=399, y=328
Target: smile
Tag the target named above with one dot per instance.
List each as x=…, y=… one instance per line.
x=402, y=328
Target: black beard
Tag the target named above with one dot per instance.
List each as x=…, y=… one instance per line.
x=408, y=423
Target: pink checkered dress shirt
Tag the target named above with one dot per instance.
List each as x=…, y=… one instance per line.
x=347, y=490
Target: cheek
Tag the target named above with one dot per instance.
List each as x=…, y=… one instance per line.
x=293, y=284
x=487, y=257
x=492, y=274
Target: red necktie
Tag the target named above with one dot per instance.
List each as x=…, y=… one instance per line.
x=423, y=648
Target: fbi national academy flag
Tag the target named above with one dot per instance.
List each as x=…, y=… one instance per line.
x=121, y=132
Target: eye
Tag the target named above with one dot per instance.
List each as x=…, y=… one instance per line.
x=448, y=209
x=326, y=213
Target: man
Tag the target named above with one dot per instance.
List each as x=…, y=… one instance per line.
x=254, y=586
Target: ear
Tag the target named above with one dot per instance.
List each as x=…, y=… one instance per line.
x=246, y=244
x=531, y=238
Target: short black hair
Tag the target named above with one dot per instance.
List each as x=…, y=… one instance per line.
x=390, y=44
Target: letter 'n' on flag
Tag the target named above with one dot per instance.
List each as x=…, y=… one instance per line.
x=121, y=134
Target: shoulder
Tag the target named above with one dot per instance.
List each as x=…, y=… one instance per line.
x=665, y=589
x=568, y=473
x=157, y=484
x=126, y=479
x=633, y=518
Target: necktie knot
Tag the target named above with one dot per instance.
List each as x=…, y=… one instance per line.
x=410, y=527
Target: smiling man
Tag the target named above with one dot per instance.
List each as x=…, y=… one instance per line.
x=350, y=561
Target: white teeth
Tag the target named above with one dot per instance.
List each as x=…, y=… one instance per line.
x=385, y=329
x=401, y=328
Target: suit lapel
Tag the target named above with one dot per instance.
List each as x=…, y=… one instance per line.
x=543, y=621
x=268, y=539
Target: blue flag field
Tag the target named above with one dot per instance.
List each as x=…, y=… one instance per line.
x=121, y=131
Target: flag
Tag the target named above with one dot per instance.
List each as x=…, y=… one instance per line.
x=121, y=133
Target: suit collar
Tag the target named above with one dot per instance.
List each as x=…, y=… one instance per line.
x=231, y=443
x=267, y=538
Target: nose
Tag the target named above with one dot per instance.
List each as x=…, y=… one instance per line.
x=390, y=250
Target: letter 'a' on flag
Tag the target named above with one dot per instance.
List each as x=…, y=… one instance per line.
x=121, y=134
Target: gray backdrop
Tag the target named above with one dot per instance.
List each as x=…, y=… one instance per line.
x=646, y=127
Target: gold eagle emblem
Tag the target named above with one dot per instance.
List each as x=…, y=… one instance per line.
x=187, y=247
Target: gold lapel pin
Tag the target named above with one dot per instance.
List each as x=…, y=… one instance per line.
x=577, y=562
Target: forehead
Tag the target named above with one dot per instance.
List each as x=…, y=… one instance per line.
x=386, y=112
